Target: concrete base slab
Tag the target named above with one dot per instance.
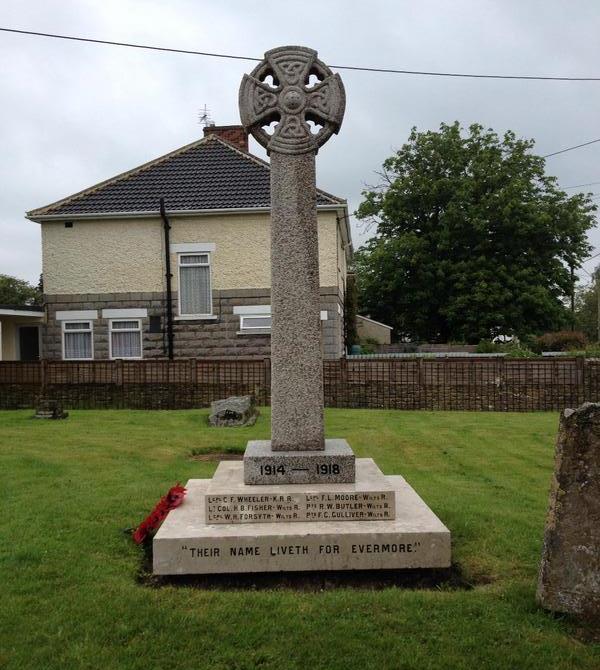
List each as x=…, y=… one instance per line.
x=229, y=500
x=186, y=545
x=263, y=466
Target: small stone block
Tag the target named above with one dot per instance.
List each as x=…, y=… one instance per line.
x=233, y=411
x=228, y=500
x=185, y=545
x=334, y=464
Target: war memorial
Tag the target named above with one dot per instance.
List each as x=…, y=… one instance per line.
x=297, y=502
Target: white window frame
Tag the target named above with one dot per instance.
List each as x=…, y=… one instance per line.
x=180, y=255
x=259, y=311
x=249, y=312
x=125, y=330
x=89, y=330
x=245, y=318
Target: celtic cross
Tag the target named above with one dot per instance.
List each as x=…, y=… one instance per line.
x=292, y=101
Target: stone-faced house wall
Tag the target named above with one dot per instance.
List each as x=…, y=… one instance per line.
x=92, y=265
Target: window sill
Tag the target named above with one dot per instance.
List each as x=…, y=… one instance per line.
x=126, y=358
x=201, y=317
x=254, y=331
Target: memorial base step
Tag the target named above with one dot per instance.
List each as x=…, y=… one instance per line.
x=263, y=466
x=184, y=544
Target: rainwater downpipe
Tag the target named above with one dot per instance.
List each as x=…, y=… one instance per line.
x=168, y=277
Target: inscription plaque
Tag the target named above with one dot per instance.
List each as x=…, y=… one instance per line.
x=369, y=498
x=299, y=507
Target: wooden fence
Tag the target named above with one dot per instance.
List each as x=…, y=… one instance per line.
x=494, y=384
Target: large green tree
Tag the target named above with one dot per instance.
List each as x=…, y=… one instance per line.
x=15, y=291
x=586, y=308
x=473, y=238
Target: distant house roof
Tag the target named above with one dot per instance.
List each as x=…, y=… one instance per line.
x=209, y=174
x=378, y=323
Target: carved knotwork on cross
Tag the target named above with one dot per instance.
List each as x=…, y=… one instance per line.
x=291, y=101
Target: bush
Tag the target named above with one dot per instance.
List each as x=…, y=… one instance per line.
x=512, y=349
x=562, y=340
x=530, y=342
x=369, y=345
x=591, y=351
x=487, y=347
x=518, y=351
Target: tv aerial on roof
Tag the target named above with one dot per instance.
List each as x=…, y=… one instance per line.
x=204, y=117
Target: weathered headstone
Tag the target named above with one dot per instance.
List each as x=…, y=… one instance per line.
x=283, y=508
x=569, y=579
x=233, y=411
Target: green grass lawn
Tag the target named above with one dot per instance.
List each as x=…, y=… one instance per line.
x=69, y=596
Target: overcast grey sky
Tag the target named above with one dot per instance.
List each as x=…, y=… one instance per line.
x=73, y=114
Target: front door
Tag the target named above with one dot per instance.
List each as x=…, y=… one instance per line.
x=29, y=343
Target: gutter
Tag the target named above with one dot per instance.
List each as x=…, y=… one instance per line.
x=20, y=312
x=177, y=212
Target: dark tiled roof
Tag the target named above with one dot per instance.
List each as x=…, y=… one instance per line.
x=208, y=174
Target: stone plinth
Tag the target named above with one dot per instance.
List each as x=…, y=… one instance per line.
x=569, y=579
x=186, y=545
x=263, y=466
x=229, y=500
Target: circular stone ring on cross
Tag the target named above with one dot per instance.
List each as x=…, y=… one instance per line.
x=292, y=101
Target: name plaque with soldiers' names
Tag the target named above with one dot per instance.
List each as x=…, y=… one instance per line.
x=370, y=498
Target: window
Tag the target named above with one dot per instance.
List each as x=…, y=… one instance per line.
x=195, y=294
x=126, y=338
x=254, y=319
x=77, y=340
x=252, y=322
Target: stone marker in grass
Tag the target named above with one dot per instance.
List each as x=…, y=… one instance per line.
x=569, y=579
x=233, y=411
x=49, y=408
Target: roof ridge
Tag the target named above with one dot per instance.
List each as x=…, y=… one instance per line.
x=40, y=211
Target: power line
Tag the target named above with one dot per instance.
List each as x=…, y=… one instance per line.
x=591, y=183
x=125, y=44
x=577, y=146
x=337, y=67
x=591, y=258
